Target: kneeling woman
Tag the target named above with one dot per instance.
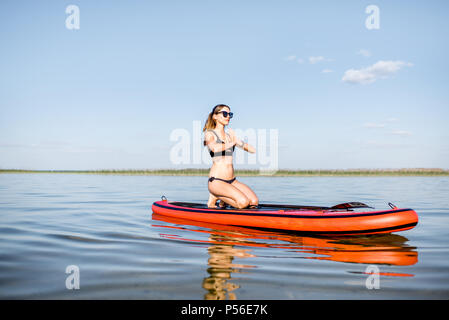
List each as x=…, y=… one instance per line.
x=223, y=185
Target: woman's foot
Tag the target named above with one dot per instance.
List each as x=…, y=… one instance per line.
x=212, y=202
x=222, y=204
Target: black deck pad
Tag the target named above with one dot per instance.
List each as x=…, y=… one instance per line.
x=260, y=207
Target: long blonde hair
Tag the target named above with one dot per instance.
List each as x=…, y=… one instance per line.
x=210, y=122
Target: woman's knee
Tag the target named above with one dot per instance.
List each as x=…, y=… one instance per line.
x=242, y=202
x=254, y=201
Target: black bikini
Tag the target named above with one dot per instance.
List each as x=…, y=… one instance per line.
x=227, y=152
x=227, y=181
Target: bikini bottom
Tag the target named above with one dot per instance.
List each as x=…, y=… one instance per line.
x=227, y=181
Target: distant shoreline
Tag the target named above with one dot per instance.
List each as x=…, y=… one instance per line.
x=254, y=173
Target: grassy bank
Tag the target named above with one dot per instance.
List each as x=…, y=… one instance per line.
x=280, y=173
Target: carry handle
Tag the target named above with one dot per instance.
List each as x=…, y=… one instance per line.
x=392, y=206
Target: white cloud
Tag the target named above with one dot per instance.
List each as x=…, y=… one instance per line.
x=294, y=58
x=374, y=125
x=364, y=52
x=396, y=132
x=327, y=71
x=311, y=60
x=316, y=59
x=402, y=133
x=383, y=144
x=379, y=70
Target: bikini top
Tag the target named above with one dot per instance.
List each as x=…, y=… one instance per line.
x=227, y=152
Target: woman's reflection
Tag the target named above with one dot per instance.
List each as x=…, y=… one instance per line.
x=220, y=268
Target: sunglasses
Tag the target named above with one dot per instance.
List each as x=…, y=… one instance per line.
x=226, y=114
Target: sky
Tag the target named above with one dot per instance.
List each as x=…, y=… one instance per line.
x=336, y=85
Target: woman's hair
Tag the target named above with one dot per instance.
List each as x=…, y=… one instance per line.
x=210, y=122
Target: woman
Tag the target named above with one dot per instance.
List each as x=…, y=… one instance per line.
x=222, y=184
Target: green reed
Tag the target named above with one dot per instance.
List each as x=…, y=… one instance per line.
x=249, y=172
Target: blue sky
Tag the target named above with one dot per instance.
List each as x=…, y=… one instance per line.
x=108, y=96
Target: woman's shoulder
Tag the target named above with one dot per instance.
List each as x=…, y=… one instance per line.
x=209, y=134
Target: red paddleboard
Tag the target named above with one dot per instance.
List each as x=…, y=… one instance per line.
x=345, y=219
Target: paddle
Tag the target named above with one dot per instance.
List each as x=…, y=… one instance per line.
x=351, y=205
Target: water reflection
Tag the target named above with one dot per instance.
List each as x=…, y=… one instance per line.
x=221, y=267
x=390, y=249
x=387, y=249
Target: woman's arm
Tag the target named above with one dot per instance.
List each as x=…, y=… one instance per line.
x=241, y=144
x=214, y=146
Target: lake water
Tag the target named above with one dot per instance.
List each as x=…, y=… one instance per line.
x=103, y=224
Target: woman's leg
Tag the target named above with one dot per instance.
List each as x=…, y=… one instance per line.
x=228, y=193
x=252, y=197
x=212, y=201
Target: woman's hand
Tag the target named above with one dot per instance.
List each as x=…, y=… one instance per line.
x=211, y=142
x=240, y=143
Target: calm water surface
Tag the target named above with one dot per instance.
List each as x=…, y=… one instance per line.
x=105, y=226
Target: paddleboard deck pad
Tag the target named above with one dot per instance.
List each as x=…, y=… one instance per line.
x=351, y=218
